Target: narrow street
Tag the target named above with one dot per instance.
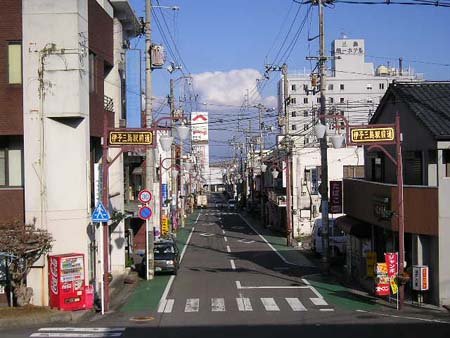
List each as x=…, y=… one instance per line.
x=233, y=282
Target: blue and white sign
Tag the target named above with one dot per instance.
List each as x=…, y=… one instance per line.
x=100, y=214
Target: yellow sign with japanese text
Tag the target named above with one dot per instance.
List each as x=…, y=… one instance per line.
x=394, y=286
x=123, y=138
x=164, y=225
x=372, y=135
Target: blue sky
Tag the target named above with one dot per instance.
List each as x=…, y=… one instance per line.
x=225, y=45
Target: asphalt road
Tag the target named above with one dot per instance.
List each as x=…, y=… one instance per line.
x=232, y=283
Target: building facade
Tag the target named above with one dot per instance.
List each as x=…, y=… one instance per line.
x=63, y=77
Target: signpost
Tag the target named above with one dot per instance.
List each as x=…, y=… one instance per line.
x=130, y=137
x=376, y=134
x=145, y=213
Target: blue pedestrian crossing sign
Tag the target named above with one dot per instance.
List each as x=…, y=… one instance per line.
x=100, y=214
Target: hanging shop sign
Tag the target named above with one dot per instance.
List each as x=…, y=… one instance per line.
x=336, y=197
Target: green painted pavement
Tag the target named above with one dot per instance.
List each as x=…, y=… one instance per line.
x=147, y=294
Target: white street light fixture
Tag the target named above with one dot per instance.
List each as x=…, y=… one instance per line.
x=263, y=167
x=319, y=130
x=174, y=173
x=183, y=131
x=337, y=141
x=275, y=173
x=166, y=142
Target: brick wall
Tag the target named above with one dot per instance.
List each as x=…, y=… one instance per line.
x=11, y=107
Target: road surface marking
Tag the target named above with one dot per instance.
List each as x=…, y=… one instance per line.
x=223, y=232
x=228, y=248
x=246, y=241
x=305, y=281
x=169, y=306
x=83, y=329
x=198, y=216
x=239, y=286
x=326, y=310
x=162, y=303
x=296, y=304
x=192, y=305
x=76, y=334
x=217, y=305
x=185, y=247
x=225, y=239
x=205, y=234
x=244, y=304
x=406, y=317
x=318, y=301
x=269, y=304
x=233, y=266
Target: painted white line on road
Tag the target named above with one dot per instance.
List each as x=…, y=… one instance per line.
x=223, y=232
x=225, y=239
x=83, y=329
x=305, y=281
x=246, y=241
x=198, y=216
x=318, y=301
x=217, y=305
x=269, y=304
x=162, y=301
x=244, y=304
x=296, y=304
x=76, y=334
x=228, y=248
x=192, y=305
x=206, y=234
x=406, y=317
x=239, y=286
x=169, y=306
x=233, y=266
x=326, y=310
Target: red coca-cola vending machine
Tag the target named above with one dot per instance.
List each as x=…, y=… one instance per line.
x=66, y=282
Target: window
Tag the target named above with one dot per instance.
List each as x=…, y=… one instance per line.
x=293, y=100
x=15, y=63
x=355, y=43
x=305, y=113
x=306, y=141
x=294, y=87
x=92, y=68
x=330, y=86
x=318, y=99
x=381, y=86
x=294, y=114
x=369, y=86
x=369, y=100
x=341, y=100
x=294, y=127
x=305, y=100
x=341, y=86
x=446, y=161
x=331, y=100
x=305, y=127
x=10, y=163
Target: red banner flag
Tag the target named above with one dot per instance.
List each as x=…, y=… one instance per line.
x=391, y=259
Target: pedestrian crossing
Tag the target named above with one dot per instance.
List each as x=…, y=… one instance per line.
x=245, y=304
x=79, y=332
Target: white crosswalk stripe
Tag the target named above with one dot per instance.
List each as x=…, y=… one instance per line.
x=318, y=301
x=269, y=304
x=78, y=332
x=244, y=304
x=296, y=304
x=217, y=305
x=192, y=305
x=169, y=306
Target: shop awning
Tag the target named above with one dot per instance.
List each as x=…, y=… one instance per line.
x=353, y=226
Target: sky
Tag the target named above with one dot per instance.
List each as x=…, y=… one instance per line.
x=224, y=45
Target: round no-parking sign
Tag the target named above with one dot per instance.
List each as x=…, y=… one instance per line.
x=145, y=213
x=145, y=196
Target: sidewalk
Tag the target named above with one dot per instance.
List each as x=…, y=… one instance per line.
x=145, y=297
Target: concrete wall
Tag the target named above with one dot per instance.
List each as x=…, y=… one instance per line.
x=56, y=127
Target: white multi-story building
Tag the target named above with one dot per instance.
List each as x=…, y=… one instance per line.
x=354, y=89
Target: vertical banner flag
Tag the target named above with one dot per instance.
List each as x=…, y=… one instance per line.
x=391, y=259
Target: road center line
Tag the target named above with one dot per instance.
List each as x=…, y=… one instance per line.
x=228, y=248
x=225, y=239
x=233, y=266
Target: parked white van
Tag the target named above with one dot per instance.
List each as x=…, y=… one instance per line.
x=338, y=238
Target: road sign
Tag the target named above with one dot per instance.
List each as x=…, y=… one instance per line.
x=125, y=137
x=145, y=196
x=372, y=135
x=100, y=214
x=164, y=225
x=145, y=213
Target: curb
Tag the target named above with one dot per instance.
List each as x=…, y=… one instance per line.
x=45, y=318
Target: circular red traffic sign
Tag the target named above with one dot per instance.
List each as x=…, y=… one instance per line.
x=145, y=196
x=145, y=213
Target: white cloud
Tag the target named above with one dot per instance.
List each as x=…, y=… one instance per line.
x=227, y=88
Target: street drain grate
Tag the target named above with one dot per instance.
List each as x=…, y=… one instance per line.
x=142, y=319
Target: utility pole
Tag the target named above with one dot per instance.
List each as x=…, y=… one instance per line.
x=174, y=188
x=149, y=154
x=287, y=140
x=323, y=141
